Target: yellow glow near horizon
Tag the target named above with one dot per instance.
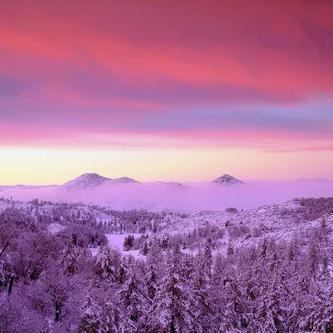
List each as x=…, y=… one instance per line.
x=56, y=166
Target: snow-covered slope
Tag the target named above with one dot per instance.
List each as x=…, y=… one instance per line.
x=281, y=222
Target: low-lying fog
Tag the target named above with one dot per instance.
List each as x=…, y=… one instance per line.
x=172, y=196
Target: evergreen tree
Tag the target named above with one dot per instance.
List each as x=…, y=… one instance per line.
x=112, y=319
x=134, y=303
x=70, y=260
x=152, y=279
x=91, y=320
x=234, y=317
x=175, y=307
x=272, y=310
x=208, y=259
x=108, y=263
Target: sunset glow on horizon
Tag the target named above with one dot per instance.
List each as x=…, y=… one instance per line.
x=176, y=90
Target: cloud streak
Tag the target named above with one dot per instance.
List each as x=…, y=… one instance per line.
x=211, y=72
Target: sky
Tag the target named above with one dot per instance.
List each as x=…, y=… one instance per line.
x=171, y=90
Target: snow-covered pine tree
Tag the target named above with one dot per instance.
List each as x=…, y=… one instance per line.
x=70, y=259
x=112, y=320
x=208, y=259
x=200, y=284
x=152, y=279
x=175, y=307
x=108, y=263
x=272, y=312
x=91, y=319
x=234, y=312
x=134, y=303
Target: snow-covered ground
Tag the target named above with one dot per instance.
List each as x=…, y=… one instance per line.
x=241, y=228
x=116, y=241
x=55, y=228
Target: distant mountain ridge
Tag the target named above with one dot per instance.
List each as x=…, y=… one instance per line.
x=92, y=180
x=123, y=180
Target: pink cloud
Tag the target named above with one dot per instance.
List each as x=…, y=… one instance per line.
x=103, y=70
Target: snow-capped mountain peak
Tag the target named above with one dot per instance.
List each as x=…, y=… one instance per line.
x=92, y=180
x=84, y=181
x=227, y=180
